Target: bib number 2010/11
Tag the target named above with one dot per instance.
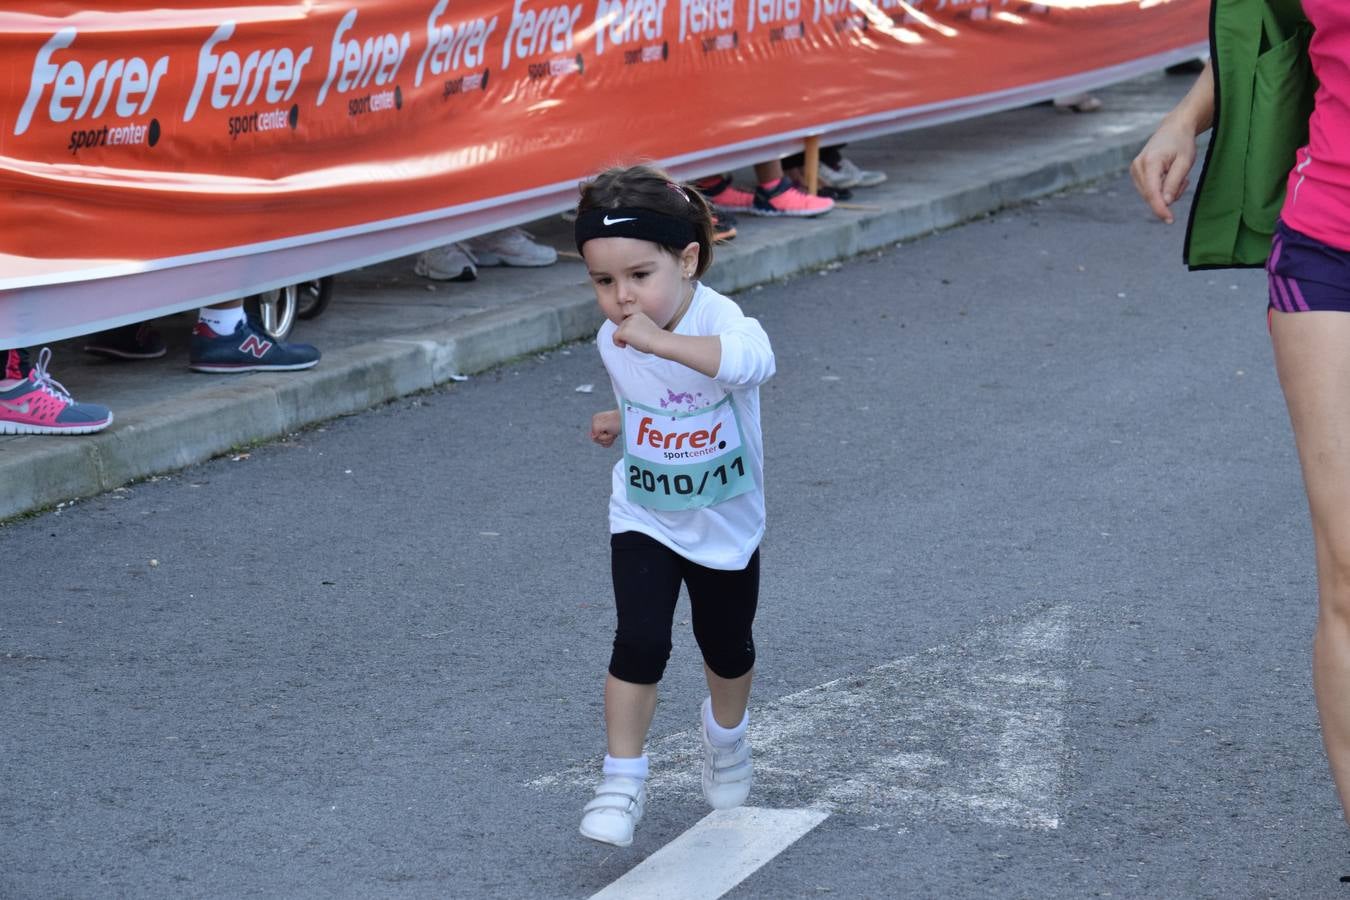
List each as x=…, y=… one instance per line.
x=683, y=485
x=684, y=460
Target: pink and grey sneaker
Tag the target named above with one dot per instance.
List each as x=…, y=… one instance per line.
x=41, y=405
x=721, y=193
x=782, y=199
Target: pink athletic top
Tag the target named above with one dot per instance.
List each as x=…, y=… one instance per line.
x=1318, y=201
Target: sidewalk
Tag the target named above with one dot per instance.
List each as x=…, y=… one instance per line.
x=388, y=333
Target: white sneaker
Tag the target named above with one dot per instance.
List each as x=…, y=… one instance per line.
x=1077, y=103
x=727, y=772
x=835, y=177
x=448, y=263
x=615, y=811
x=861, y=177
x=511, y=247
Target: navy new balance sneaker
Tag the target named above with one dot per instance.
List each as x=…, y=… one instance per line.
x=247, y=350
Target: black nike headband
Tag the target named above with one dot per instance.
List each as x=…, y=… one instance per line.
x=635, y=222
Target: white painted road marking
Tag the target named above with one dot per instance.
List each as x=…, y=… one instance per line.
x=969, y=729
x=714, y=856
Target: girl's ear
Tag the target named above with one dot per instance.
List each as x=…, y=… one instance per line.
x=689, y=259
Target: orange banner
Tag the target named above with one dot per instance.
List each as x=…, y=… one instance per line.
x=214, y=148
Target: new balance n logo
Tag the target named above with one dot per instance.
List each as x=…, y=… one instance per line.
x=256, y=346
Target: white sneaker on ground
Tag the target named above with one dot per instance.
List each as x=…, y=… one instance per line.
x=835, y=177
x=615, y=811
x=1077, y=103
x=861, y=177
x=448, y=263
x=511, y=247
x=727, y=772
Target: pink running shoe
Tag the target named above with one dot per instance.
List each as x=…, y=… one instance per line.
x=722, y=194
x=40, y=405
x=785, y=200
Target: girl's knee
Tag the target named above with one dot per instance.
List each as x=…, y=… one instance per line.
x=639, y=661
x=729, y=659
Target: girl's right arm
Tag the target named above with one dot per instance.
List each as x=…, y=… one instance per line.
x=605, y=427
x=1160, y=169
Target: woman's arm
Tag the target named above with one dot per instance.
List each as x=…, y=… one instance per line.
x=1161, y=168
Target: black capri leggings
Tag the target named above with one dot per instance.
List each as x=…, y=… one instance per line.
x=647, y=577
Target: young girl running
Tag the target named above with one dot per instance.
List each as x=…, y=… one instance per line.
x=687, y=502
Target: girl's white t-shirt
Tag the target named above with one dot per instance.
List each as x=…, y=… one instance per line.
x=726, y=534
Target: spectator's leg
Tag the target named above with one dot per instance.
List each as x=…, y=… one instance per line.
x=225, y=341
x=775, y=195
x=16, y=367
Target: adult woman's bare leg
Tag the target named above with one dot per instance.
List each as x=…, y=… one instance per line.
x=1312, y=356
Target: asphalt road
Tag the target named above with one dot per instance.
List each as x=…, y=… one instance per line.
x=1037, y=601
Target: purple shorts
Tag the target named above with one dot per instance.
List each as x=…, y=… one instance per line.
x=1306, y=274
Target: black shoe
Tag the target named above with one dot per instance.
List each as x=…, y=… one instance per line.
x=128, y=342
x=724, y=225
x=1189, y=67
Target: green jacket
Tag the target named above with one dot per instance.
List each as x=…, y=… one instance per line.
x=1263, y=96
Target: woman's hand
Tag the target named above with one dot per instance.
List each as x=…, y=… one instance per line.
x=1160, y=170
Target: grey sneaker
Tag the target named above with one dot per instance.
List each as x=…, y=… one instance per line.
x=615, y=811
x=835, y=177
x=449, y=263
x=860, y=177
x=510, y=247
x=727, y=772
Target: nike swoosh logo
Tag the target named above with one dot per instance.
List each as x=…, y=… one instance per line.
x=608, y=221
x=20, y=408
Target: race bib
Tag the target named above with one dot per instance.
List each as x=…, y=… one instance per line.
x=690, y=460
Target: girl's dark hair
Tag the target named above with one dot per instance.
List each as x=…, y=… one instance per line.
x=647, y=187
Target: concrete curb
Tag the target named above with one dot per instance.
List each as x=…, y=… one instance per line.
x=212, y=421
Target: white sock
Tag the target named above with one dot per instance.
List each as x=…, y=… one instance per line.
x=627, y=766
x=222, y=321
x=719, y=736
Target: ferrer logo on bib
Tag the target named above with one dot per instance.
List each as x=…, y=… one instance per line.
x=683, y=460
